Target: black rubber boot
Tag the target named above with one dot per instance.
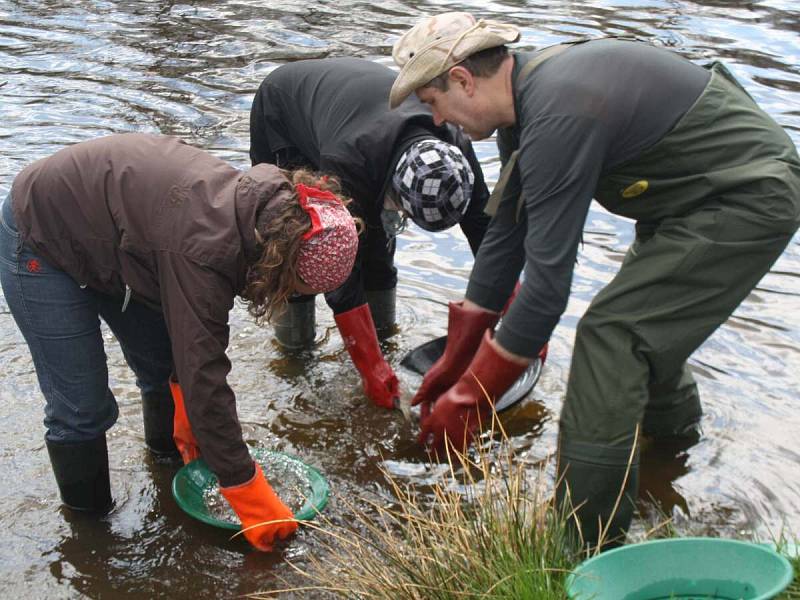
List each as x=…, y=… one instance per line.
x=591, y=478
x=81, y=471
x=674, y=411
x=295, y=327
x=678, y=426
x=382, y=306
x=158, y=412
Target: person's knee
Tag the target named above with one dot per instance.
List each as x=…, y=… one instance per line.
x=598, y=330
x=603, y=414
x=383, y=277
x=152, y=373
x=607, y=387
x=77, y=420
x=143, y=337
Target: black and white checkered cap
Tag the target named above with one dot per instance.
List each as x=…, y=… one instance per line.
x=434, y=182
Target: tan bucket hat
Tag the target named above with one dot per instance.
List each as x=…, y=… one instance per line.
x=437, y=43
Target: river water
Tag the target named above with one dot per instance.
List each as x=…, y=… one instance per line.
x=73, y=70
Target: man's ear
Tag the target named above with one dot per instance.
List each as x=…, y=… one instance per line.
x=460, y=76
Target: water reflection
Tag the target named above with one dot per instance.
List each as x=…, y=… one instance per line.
x=75, y=70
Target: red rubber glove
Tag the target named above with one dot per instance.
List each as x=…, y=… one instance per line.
x=460, y=411
x=361, y=340
x=181, y=430
x=465, y=328
x=255, y=502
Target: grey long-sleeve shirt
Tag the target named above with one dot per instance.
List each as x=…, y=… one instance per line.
x=579, y=115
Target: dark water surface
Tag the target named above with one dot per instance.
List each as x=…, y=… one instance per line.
x=73, y=70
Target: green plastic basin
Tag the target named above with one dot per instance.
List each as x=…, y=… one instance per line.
x=193, y=482
x=682, y=569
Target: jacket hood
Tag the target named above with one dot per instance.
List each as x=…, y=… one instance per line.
x=253, y=190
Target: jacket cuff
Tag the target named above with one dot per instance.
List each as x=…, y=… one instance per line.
x=524, y=341
x=239, y=478
x=486, y=297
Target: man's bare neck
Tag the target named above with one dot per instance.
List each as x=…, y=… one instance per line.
x=504, y=93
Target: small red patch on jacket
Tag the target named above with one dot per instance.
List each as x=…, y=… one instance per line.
x=33, y=266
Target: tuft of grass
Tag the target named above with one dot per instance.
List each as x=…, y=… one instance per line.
x=793, y=591
x=790, y=548
x=488, y=529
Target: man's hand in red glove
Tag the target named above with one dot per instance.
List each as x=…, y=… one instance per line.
x=465, y=329
x=459, y=413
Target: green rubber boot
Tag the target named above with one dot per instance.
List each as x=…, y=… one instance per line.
x=598, y=487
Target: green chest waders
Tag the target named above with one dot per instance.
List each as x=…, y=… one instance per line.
x=716, y=201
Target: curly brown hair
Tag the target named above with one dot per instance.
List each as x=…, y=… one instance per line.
x=273, y=278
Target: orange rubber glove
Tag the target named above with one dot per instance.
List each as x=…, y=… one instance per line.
x=255, y=502
x=181, y=430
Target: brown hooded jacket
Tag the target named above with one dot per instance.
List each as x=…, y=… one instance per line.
x=151, y=219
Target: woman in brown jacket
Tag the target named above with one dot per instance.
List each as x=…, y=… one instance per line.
x=157, y=238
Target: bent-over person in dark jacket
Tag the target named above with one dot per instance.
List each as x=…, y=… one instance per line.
x=333, y=115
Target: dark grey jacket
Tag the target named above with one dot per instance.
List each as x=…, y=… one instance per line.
x=333, y=115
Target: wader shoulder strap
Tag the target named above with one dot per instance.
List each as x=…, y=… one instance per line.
x=542, y=56
x=498, y=193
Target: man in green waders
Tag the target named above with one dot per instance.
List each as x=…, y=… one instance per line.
x=712, y=182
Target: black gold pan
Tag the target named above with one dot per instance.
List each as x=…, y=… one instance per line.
x=421, y=358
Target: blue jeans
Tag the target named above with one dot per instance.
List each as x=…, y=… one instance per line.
x=61, y=325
